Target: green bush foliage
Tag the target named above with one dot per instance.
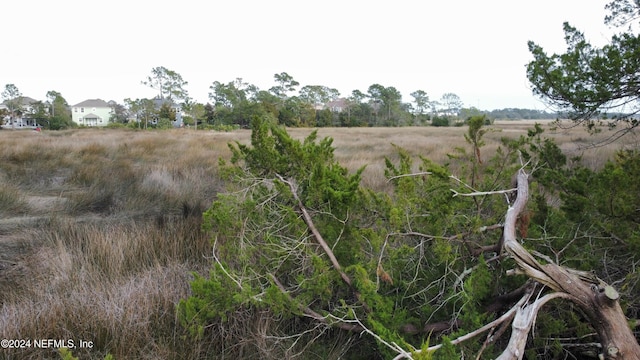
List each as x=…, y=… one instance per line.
x=440, y=120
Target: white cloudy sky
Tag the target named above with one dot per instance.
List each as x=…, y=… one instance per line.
x=103, y=49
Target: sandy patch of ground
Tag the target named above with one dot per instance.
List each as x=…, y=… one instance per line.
x=46, y=204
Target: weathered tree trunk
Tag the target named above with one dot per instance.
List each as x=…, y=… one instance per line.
x=598, y=300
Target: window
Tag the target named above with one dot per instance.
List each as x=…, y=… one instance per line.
x=81, y=110
x=75, y=109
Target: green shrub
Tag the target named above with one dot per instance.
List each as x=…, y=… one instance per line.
x=440, y=120
x=115, y=125
x=164, y=124
x=297, y=234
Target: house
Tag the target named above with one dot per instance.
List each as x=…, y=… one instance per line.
x=337, y=105
x=158, y=103
x=22, y=118
x=175, y=107
x=91, y=112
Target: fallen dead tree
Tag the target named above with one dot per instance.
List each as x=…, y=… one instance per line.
x=596, y=299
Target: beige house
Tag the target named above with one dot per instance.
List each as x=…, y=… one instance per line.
x=92, y=112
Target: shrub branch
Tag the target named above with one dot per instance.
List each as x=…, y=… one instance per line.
x=316, y=234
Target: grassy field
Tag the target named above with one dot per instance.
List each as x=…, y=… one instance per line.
x=100, y=229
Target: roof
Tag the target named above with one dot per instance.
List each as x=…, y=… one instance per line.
x=28, y=100
x=340, y=102
x=92, y=116
x=93, y=103
x=25, y=100
x=159, y=102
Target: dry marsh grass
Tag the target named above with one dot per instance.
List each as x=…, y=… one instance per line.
x=99, y=229
x=356, y=147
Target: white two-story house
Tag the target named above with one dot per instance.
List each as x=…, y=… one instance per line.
x=92, y=112
x=22, y=114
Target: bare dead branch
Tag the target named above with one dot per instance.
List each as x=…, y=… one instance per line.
x=503, y=327
x=598, y=300
x=312, y=314
x=380, y=271
x=462, y=182
x=413, y=174
x=524, y=319
x=475, y=252
x=316, y=234
x=482, y=193
x=215, y=258
x=505, y=317
x=415, y=233
x=403, y=353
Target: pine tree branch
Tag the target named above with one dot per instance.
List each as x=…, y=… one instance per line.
x=312, y=314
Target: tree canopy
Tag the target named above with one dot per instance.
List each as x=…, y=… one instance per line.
x=235, y=103
x=13, y=98
x=589, y=82
x=169, y=83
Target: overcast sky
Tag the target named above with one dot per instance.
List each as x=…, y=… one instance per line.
x=104, y=49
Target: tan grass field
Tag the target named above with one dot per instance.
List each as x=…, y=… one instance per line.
x=100, y=229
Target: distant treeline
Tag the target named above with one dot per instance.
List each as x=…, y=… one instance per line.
x=510, y=114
